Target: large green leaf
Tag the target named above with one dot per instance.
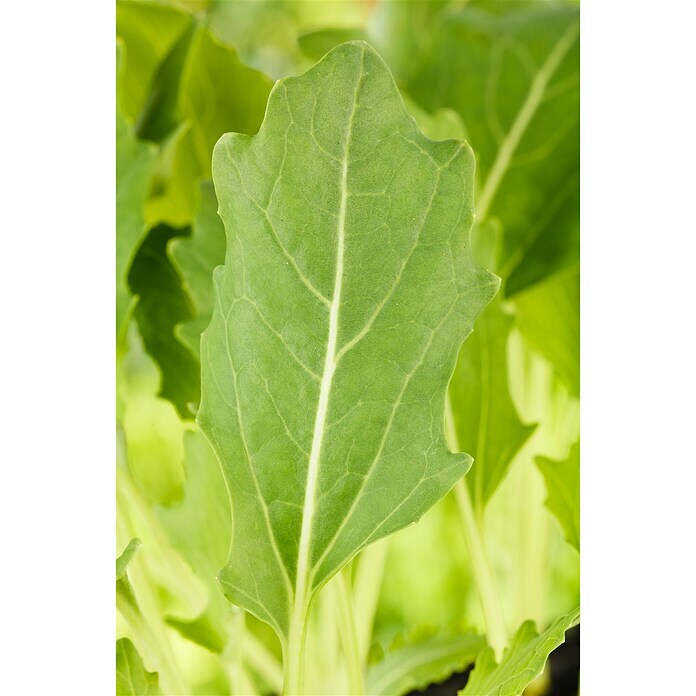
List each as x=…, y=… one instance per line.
x=548, y=316
x=134, y=164
x=523, y=661
x=347, y=290
x=422, y=659
x=484, y=415
x=563, y=492
x=132, y=679
x=511, y=70
x=195, y=257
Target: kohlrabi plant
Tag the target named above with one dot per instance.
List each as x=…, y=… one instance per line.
x=347, y=331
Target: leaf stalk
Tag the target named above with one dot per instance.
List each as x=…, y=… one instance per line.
x=480, y=564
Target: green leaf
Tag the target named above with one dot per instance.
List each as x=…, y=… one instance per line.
x=548, y=316
x=149, y=31
x=511, y=71
x=195, y=257
x=213, y=111
x=264, y=32
x=404, y=31
x=484, y=415
x=163, y=305
x=200, y=527
x=126, y=601
x=203, y=539
x=134, y=545
x=443, y=124
x=132, y=679
x=134, y=164
x=563, y=492
x=161, y=113
x=316, y=44
x=204, y=630
x=187, y=112
x=421, y=660
x=523, y=661
x=347, y=290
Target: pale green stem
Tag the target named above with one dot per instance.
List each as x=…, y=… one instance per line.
x=154, y=644
x=248, y=687
x=532, y=539
x=366, y=590
x=232, y=654
x=262, y=661
x=293, y=653
x=167, y=565
x=483, y=573
x=144, y=614
x=349, y=636
x=480, y=565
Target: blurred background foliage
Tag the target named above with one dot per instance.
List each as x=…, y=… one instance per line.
x=503, y=75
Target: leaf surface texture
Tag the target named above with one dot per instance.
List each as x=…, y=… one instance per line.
x=522, y=662
x=347, y=290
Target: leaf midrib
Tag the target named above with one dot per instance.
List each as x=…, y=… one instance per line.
x=300, y=604
x=524, y=116
x=448, y=650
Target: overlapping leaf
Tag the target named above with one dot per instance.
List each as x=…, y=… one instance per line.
x=484, y=415
x=184, y=109
x=523, y=661
x=186, y=112
x=132, y=679
x=163, y=305
x=511, y=71
x=563, y=492
x=134, y=164
x=548, y=316
x=347, y=290
x=200, y=527
x=422, y=659
x=195, y=257
x=149, y=31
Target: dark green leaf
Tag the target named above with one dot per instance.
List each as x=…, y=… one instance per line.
x=163, y=305
x=510, y=70
x=195, y=257
x=134, y=164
